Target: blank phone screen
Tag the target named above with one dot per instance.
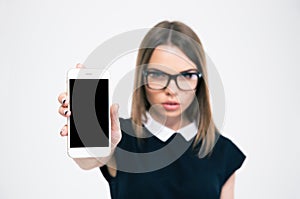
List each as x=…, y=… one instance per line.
x=89, y=120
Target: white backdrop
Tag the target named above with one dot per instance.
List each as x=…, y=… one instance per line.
x=254, y=45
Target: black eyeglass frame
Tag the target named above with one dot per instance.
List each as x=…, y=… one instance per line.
x=174, y=77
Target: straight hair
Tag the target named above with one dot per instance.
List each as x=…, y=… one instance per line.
x=183, y=37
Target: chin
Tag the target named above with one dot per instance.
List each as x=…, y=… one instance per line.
x=174, y=114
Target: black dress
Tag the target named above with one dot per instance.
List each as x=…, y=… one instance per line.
x=185, y=177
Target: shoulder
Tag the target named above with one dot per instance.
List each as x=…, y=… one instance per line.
x=227, y=148
x=124, y=120
x=224, y=142
x=229, y=154
x=129, y=139
x=126, y=126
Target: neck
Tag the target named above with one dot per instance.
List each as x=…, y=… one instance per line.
x=173, y=123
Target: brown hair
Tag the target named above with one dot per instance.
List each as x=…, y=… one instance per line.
x=180, y=35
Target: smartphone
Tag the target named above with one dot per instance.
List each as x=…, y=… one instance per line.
x=89, y=102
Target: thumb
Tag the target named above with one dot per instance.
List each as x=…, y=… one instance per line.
x=115, y=125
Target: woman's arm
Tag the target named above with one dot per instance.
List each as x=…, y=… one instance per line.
x=116, y=136
x=90, y=163
x=228, y=188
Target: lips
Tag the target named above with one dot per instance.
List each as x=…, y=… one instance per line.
x=171, y=105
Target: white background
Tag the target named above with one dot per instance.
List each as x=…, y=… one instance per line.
x=254, y=45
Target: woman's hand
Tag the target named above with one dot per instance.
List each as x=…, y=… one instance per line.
x=89, y=163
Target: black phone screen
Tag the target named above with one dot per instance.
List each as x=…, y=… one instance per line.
x=89, y=105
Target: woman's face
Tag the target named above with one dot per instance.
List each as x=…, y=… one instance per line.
x=171, y=102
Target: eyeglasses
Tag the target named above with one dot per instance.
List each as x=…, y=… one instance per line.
x=159, y=80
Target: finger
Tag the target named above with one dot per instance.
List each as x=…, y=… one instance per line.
x=114, y=116
x=79, y=65
x=63, y=99
x=115, y=125
x=64, y=111
x=64, y=130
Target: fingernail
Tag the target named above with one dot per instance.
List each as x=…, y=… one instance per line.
x=66, y=112
x=64, y=100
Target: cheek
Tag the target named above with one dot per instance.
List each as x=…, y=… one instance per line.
x=152, y=96
x=187, y=98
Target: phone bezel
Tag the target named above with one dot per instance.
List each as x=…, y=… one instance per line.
x=86, y=152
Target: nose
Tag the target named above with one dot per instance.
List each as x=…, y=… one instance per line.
x=172, y=88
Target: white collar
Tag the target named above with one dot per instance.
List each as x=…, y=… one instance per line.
x=164, y=133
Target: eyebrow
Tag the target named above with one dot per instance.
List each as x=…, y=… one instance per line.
x=188, y=70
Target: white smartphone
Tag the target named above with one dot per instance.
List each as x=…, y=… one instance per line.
x=89, y=102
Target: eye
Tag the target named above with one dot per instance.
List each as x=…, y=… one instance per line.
x=156, y=74
x=189, y=75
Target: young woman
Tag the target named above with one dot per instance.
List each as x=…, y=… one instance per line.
x=171, y=111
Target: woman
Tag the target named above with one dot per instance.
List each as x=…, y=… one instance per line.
x=170, y=105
